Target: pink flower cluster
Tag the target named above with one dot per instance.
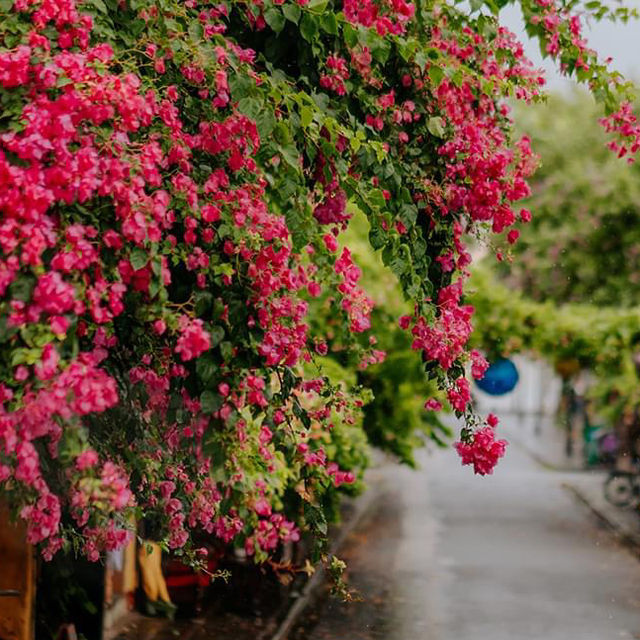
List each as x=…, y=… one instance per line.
x=483, y=176
x=386, y=16
x=483, y=451
x=479, y=364
x=193, y=339
x=333, y=207
x=337, y=74
x=354, y=300
x=562, y=30
x=444, y=339
x=623, y=123
x=460, y=394
x=88, y=274
x=270, y=532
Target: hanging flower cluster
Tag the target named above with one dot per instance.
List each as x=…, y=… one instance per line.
x=482, y=450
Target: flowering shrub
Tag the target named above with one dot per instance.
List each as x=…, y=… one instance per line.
x=173, y=185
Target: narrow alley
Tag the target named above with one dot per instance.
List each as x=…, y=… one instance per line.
x=450, y=556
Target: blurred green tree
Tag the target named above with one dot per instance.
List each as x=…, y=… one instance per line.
x=583, y=241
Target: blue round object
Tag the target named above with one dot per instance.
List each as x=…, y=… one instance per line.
x=500, y=378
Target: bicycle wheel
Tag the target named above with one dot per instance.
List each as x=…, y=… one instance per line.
x=619, y=491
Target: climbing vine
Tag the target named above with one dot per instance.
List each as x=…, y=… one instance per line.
x=174, y=181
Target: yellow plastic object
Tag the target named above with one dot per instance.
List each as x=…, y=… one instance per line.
x=153, y=582
x=130, y=577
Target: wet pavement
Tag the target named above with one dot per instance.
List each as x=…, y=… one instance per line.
x=451, y=556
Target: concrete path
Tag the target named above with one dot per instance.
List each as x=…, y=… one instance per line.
x=451, y=556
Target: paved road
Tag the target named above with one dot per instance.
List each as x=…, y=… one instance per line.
x=450, y=556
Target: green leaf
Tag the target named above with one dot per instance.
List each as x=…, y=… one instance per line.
x=202, y=304
x=408, y=214
x=377, y=237
x=376, y=198
x=196, y=31
x=435, y=126
x=251, y=107
x=226, y=349
x=292, y=12
x=306, y=116
x=415, y=287
x=25, y=356
x=286, y=188
x=240, y=85
x=6, y=332
x=350, y=35
x=139, y=258
x=419, y=247
x=299, y=225
x=22, y=288
x=282, y=134
x=156, y=266
x=387, y=254
x=317, y=5
x=173, y=25
x=398, y=264
x=406, y=48
x=216, y=334
x=329, y=23
x=315, y=517
x=42, y=339
x=154, y=287
x=275, y=19
x=98, y=4
x=291, y=156
x=436, y=74
x=405, y=196
x=309, y=27
x=265, y=122
x=206, y=368
x=381, y=50
x=210, y=402
x=322, y=100
x=421, y=60
x=457, y=77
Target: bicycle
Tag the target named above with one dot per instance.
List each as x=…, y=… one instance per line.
x=599, y=442
x=622, y=489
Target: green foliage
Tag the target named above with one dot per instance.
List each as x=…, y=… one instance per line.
x=571, y=337
x=583, y=242
x=395, y=420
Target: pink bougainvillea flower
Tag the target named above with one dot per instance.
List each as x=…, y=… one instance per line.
x=483, y=452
